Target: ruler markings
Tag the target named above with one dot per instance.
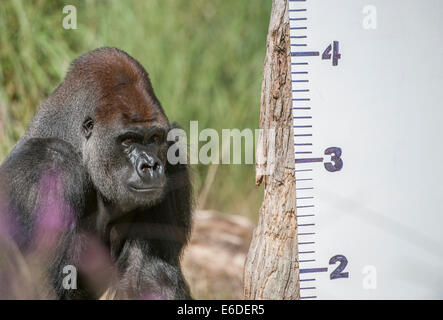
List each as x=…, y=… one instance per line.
x=305, y=54
x=307, y=160
x=300, y=134
x=305, y=135
x=313, y=270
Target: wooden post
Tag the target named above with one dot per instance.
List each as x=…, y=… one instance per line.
x=271, y=269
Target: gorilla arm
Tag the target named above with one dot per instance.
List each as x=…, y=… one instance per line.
x=47, y=191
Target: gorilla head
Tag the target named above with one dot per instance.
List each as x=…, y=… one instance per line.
x=119, y=128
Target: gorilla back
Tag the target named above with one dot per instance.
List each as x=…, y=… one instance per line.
x=89, y=190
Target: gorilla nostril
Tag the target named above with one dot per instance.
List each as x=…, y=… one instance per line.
x=144, y=167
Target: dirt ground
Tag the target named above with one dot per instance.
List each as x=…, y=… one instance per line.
x=214, y=259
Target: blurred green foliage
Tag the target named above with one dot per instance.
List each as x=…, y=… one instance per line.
x=204, y=57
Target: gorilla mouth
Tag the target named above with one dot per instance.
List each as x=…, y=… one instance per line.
x=147, y=189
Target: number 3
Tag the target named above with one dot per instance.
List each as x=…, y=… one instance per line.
x=335, y=153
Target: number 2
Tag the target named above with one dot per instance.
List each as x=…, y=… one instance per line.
x=338, y=272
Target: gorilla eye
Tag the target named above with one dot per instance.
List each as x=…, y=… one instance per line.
x=127, y=141
x=88, y=125
x=154, y=139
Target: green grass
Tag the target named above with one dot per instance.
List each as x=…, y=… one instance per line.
x=204, y=57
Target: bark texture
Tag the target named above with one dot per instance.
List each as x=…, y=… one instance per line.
x=271, y=269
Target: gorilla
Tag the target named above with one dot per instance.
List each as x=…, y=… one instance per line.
x=89, y=187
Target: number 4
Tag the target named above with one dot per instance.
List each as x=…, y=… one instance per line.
x=335, y=53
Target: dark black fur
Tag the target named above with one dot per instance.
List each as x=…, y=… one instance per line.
x=143, y=238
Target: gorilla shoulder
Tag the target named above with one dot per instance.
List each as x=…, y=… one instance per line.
x=40, y=169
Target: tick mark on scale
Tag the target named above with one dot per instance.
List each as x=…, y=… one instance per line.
x=305, y=54
x=313, y=270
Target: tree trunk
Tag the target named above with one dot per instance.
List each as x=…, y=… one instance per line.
x=271, y=269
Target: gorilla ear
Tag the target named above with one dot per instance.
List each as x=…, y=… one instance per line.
x=88, y=125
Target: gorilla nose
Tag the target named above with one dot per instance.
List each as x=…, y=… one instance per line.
x=149, y=168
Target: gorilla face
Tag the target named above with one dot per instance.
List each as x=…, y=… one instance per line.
x=124, y=138
x=145, y=161
x=130, y=168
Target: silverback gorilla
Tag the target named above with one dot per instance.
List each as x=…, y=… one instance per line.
x=90, y=182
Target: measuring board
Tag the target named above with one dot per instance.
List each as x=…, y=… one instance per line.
x=367, y=84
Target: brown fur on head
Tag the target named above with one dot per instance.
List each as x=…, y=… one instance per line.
x=124, y=86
